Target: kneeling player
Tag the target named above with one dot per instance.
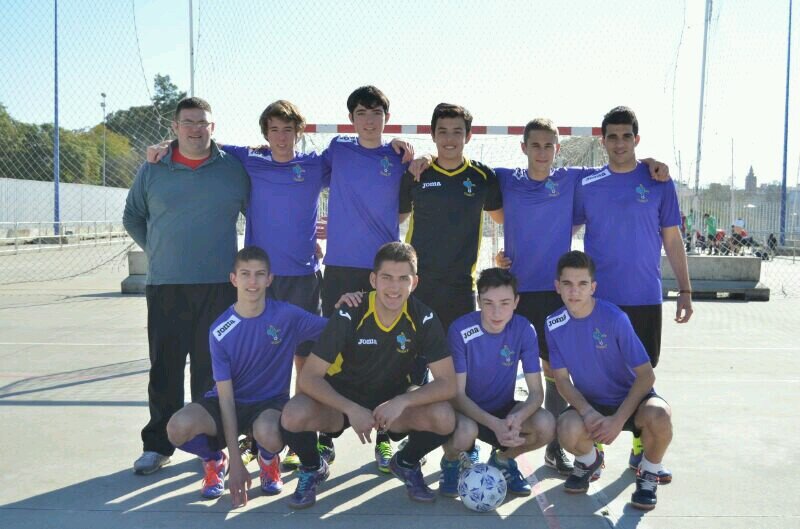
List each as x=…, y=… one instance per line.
x=611, y=386
x=487, y=347
x=252, y=346
x=358, y=375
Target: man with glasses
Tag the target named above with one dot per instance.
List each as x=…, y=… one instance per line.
x=182, y=211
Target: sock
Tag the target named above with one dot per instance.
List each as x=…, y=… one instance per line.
x=304, y=445
x=419, y=444
x=325, y=440
x=265, y=454
x=200, y=446
x=600, y=447
x=588, y=458
x=382, y=438
x=636, y=444
x=555, y=404
x=647, y=466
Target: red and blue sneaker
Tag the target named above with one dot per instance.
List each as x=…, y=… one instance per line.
x=270, y=475
x=214, y=480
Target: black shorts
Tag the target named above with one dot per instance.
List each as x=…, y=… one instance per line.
x=630, y=424
x=646, y=321
x=486, y=434
x=340, y=280
x=302, y=291
x=394, y=436
x=246, y=415
x=536, y=307
x=447, y=301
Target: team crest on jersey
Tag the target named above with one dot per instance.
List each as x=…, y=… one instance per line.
x=470, y=333
x=225, y=327
x=557, y=321
x=297, y=173
x=256, y=153
x=274, y=333
x=386, y=166
x=508, y=356
x=599, y=338
x=642, y=192
x=402, y=342
x=552, y=187
x=595, y=177
x=469, y=186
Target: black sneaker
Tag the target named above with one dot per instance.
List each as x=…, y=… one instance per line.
x=556, y=458
x=578, y=481
x=645, y=495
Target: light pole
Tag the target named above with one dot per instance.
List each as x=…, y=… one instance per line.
x=103, y=106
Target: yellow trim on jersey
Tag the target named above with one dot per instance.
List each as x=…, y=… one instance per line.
x=480, y=172
x=336, y=366
x=436, y=167
x=372, y=312
x=410, y=231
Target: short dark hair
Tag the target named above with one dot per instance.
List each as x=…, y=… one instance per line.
x=368, y=97
x=494, y=278
x=448, y=110
x=539, y=124
x=575, y=259
x=285, y=110
x=251, y=253
x=398, y=252
x=191, y=102
x=620, y=116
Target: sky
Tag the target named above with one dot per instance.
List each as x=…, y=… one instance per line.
x=507, y=61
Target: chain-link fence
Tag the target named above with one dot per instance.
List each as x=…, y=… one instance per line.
x=122, y=66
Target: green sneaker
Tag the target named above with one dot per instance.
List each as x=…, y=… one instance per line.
x=383, y=454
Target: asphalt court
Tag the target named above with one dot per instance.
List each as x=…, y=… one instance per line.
x=73, y=378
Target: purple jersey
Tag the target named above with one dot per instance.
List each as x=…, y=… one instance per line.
x=624, y=214
x=364, y=203
x=490, y=360
x=599, y=351
x=256, y=354
x=282, y=214
x=538, y=223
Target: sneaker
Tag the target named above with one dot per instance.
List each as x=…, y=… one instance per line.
x=578, y=481
x=557, y=459
x=664, y=475
x=597, y=473
x=214, y=480
x=471, y=457
x=149, y=462
x=403, y=444
x=247, y=450
x=305, y=495
x=383, y=454
x=415, y=483
x=448, y=479
x=270, y=475
x=290, y=461
x=645, y=495
x=328, y=453
x=517, y=484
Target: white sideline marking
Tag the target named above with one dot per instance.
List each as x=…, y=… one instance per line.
x=73, y=343
x=694, y=348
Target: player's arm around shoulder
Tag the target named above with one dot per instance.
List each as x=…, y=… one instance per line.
x=239, y=479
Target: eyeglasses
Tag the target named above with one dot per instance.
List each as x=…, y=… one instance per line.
x=188, y=124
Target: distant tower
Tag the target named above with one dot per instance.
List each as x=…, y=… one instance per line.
x=750, y=182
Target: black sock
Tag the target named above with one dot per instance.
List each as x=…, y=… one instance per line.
x=304, y=445
x=555, y=404
x=419, y=444
x=382, y=438
x=325, y=440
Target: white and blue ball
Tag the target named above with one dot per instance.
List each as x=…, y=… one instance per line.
x=482, y=488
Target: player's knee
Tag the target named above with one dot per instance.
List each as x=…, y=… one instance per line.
x=657, y=418
x=443, y=418
x=296, y=414
x=267, y=433
x=544, y=426
x=570, y=427
x=465, y=433
x=179, y=429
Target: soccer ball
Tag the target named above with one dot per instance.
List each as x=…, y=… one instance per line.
x=482, y=488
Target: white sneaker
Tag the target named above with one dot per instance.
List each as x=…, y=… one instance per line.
x=149, y=462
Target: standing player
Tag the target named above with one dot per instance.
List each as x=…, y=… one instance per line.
x=537, y=209
x=628, y=217
x=446, y=206
x=602, y=369
x=182, y=211
x=358, y=375
x=252, y=345
x=487, y=348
